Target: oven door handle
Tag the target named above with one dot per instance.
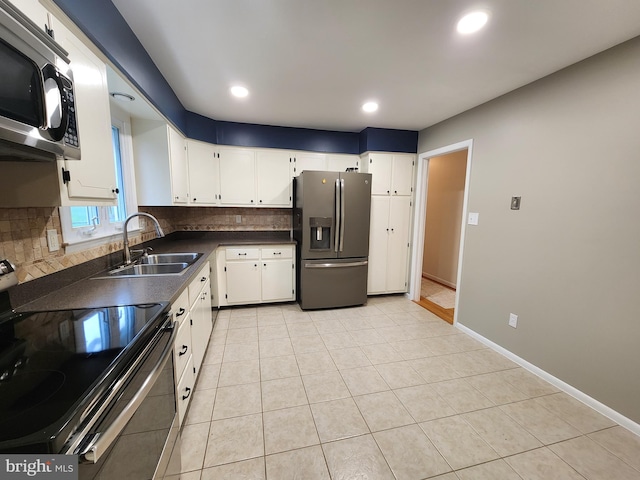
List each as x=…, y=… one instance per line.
x=101, y=441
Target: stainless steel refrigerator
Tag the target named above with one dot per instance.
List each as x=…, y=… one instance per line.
x=331, y=225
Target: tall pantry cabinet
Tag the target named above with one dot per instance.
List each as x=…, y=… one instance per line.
x=391, y=206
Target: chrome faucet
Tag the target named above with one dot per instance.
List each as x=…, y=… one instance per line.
x=126, y=252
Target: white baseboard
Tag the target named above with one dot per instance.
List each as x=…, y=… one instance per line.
x=556, y=382
x=439, y=280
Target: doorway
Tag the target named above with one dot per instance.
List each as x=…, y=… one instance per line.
x=441, y=196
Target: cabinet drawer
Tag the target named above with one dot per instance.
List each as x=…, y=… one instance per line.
x=185, y=390
x=242, y=253
x=195, y=287
x=283, y=251
x=180, y=307
x=182, y=347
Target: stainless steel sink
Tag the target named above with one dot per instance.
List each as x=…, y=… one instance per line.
x=155, y=265
x=146, y=270
x=164, y=258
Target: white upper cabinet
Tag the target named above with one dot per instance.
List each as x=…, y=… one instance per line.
x=392, y=173
x=160, y=163
x=340, y=162
x=274, y=184
x=34, y=10
x=94, y=176
x=91, y=180
x=179, y=167
x=255, y=177
x=309, y=161
x=238, y=176
x=204, y=173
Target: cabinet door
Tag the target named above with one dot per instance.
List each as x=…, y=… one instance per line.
x=398, y=246
x=378, y=242
x=309, y=161
x=204, y=176
x=379, y=167
x=243, y=282
x=340, y=163
x=34, y=11
x=179, y=168
x=94, y=176
x=402, y=174
x=237, y=177
x=277, y=280
x=184, y=390
x=274, y=178
x=201, y=325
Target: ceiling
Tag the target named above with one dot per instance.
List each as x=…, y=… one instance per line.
x=313, y=63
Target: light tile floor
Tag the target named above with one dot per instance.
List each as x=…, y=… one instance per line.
x=383, y=391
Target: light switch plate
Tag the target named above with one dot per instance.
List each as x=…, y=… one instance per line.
x=513, y=320
x=515, y=203
x=473, y=218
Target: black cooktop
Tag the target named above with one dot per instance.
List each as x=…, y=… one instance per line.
x=53, y=363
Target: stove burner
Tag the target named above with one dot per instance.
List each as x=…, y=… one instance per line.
x=26, y=390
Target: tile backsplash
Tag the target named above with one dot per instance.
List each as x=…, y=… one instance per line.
x=23, y=238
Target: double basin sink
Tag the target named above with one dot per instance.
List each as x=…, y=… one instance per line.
x=156, y=264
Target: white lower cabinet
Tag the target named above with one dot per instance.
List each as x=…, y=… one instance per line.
x=389, y=244
x=256, y=274
x=184, y=390
x=192, y=311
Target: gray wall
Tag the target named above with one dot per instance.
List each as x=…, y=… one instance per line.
x=568, y=262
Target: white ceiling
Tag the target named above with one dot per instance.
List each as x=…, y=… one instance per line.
x=312, y=63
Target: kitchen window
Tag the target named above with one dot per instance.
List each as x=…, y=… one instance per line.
x=87, y=226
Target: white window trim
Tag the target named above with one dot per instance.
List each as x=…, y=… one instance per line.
x=75, y=240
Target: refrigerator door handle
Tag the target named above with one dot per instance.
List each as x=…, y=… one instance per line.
x=337, y=219
x=361, y=263
x=341, y=214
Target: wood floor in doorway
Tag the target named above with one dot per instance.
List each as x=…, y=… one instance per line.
x=438, y=299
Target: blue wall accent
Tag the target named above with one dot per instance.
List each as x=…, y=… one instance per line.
x=101, y=21
x=250, y=135
x=387, y=140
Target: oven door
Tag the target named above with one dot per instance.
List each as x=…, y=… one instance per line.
x=137, y=426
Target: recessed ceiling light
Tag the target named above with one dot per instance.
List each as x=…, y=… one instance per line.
x=239, y=91
x=472, y=22
x=370, y=107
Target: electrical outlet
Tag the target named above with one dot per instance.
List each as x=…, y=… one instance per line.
x=513, y=320
x=473, y=218
x=238, y=218
x=52, y=240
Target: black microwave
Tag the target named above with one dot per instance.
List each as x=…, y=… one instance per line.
x=37, y=102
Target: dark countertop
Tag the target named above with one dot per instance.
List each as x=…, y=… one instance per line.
x=75, y=288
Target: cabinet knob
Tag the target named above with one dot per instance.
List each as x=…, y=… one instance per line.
x=188, y=390
x=180, y=312
x=183, y=350
x=387, y=191
x=260, y=201
x=203, y=279
x=194, y=199
x=251, y=201
x=116, y=191
x=395, y=191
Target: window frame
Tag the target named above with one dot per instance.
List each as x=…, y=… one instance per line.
x=77, y=239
